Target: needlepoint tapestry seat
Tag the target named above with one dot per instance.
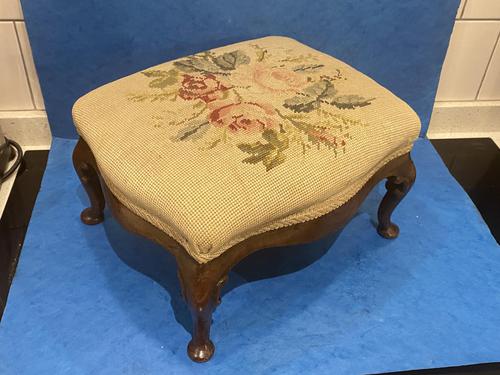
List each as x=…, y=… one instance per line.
x=261, y=143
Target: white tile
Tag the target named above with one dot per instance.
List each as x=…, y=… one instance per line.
x=482, y=9
x=470, y=48
x=461, y=8
x=490, y=89
x=10, y=10
x=30, y=65
x=15, y=91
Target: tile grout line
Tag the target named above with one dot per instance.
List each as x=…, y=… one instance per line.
x=18, y=111
x=22, y=110
x=495, y=46
x=24, y=65
x=470, y=20
x=467, y=101
x=463, y=9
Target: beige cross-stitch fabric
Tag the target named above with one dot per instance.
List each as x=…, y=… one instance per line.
x=228, y=143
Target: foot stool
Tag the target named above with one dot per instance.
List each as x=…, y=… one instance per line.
x=258, y=144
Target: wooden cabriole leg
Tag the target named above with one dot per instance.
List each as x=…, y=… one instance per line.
x=201, y=287
x=84, y=164
x=397, y=186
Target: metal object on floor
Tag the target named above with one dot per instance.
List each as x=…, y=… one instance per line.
x=7, y=154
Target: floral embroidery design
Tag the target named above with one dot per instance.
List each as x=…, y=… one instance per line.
x=225, y=92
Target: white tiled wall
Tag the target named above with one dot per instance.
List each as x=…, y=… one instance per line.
x=22, y=111
x=20, y=89
x=482, y=9
x=15, y=92
x=468, y=97
x=10, y=10
x=29, y=64
x=22, y=114
x=471, y=47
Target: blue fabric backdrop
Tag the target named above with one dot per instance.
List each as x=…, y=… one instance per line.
x=80, y=45
x=98, y=300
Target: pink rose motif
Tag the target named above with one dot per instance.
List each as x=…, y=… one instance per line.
x=278, y=79
x=245, y=116
x=327, y=138
x=203, y=86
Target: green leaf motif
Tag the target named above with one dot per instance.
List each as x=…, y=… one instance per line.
x=154, y=73
x=195, y=64
x=191, y=132
x=278, y=140
x=230, y=60
x=273, y=160
x=162, y=79
x=270, y=154
x=256, y=148
x=301, y=104
x=321, y=90
x=324, y=92
x=208, y=64
x=311, y=97
x=308, y=68
x=315, y=135
x=350, y=101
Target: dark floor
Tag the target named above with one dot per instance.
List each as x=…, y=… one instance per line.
x=475, y=163
x=480, y=369
x=16, y=216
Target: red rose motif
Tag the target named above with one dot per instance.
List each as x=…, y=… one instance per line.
x=204, y=86
x=245, y=116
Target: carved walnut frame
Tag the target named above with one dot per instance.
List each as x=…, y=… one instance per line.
x=202, y=283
